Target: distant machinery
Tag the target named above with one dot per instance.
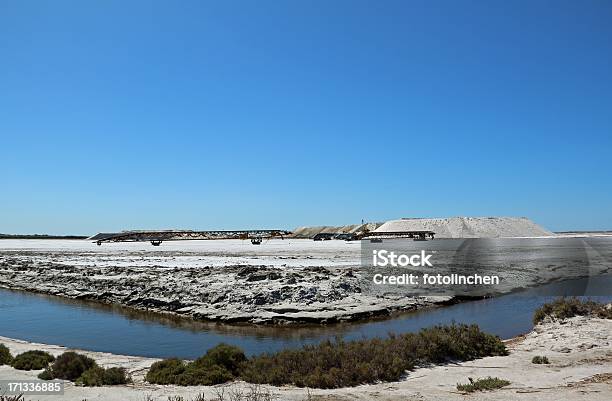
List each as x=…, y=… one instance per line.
x=415, y=235
x=345, y=236
x=255, y=236
x=157, y=237
x=376, y=236
x=323, y=236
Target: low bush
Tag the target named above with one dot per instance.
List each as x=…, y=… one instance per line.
x=337, y=363
x=228, y=356
x=333, y=363
x=68, y=366
x=32, y=360
x=97, y=376
x=116, y=376
x=5, y=355
x=167, y=371
x=92, y=377
x=489, y=383
x=219, y=365
x=83, y=371
x=208, y=374
x=564, y=308
x=540, y=360
x=46, y=374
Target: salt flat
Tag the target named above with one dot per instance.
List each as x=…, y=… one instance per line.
x=274, y=252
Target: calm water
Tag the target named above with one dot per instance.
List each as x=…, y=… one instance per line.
x=96, y=327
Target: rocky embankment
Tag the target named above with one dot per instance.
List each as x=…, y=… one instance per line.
x=230, y=293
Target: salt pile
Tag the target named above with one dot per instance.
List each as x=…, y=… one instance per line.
x=469, y=227
x=309, y=232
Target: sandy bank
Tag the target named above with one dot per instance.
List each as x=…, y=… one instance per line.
x=579, y=349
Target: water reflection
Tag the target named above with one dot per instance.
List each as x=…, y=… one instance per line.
x=120, y=330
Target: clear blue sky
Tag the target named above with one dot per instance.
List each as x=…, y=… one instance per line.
x=251, y=114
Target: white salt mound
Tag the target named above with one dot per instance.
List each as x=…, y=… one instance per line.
x=309, y=232
x=469, y=227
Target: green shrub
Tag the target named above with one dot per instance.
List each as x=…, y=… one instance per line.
x=5, y=355
x=198, y=374
x=219, y=365
x=564, y=308
x=97, y=376
x=333, y=363
x=70, y=366
x=46, y=374
x=228, y=356
x=540, y=360
x=32, y=360
x=115, y=376
x=83, y=370
x=337, y=363
x=167, y=371
x=92, y=377
x=489, y=383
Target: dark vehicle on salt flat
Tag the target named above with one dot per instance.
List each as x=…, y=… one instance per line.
x=323, y=237
x=346, y=237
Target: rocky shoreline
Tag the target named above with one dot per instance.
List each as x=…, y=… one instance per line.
x=279, y=283
x=259, y=294
x=247, y=294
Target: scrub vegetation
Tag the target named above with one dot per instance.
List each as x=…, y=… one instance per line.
x=564, y=308
x=97, y=376
x=219, y=365
x=32, y=360
x=488, y=383
x=83, y=371
x=5, y=355
x=333, y=363
x=540, y=360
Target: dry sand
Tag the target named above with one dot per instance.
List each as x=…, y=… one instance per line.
x=579, y=349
